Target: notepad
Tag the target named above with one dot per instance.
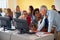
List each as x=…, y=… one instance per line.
x=42, y=34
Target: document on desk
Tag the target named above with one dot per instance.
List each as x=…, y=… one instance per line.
x=42, y=34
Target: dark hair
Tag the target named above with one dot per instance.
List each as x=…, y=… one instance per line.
x=0, y=9
x=33, y=25
x=31, y=7
x=37, y=9
x=17, y=6
x=53, y=6
x=9, y=12
x=24, y=11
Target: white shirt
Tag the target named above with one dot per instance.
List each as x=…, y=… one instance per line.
x=39, y=22
x=40, y=26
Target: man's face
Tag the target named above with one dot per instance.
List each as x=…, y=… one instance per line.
x=43, y=12
x=53, y=7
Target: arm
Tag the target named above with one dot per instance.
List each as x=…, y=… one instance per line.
x=51, y=19
x=41, y=25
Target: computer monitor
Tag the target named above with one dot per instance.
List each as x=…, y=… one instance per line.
x=5, y=22
x=22, y=25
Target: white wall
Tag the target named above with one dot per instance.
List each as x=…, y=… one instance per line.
x=57, y=4
x=11, y=4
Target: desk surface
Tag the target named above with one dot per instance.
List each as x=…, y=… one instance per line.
x=14, y=36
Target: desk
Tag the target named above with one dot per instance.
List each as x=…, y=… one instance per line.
x=12, y=35
x=5, y=35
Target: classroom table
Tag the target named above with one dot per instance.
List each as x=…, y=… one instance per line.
x=13, y=35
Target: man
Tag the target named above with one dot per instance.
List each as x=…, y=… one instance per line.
x=44, y=24
x=53, y=7
x=53, y=19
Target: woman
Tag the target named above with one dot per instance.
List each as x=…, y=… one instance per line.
x=9, y=14
x=36, y=22
x=0, y=11
x=18, y=12
x=25, y=16
x=31, y=9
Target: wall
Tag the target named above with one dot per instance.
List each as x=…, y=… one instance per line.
x=11, y=4
x=25, y=3
x=57, y=4
x=36, y=3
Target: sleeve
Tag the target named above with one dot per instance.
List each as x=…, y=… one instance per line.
x=41, y=25
x=28, y=20
x=51, y=19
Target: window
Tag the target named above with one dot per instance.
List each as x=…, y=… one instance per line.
x=3, y=3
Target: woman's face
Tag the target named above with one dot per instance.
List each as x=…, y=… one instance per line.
x=25, y=14
x=37, y=14
x=17, y=9
x=5, y=11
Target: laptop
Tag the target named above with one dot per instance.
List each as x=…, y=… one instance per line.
x=22, y=25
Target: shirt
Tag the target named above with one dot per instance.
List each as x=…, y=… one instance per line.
x=54, y=19
x=42, y=24
x=39, y=22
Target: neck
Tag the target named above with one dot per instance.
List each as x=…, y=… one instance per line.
x=38, y=18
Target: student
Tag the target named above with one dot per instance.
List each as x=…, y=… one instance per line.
x=0, y=11
x=31, y=9
x=9, y=14
x=33, y=28
x=18, y=12
x=25, y=16
x=37, y=20
x=0, y=15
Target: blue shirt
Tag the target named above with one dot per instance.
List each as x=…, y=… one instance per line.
x=54, y=19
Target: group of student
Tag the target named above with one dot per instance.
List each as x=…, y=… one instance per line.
x=39, y=20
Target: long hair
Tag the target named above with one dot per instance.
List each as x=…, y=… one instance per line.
x=31, y=8
x=0, y=9
x=9, y=12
